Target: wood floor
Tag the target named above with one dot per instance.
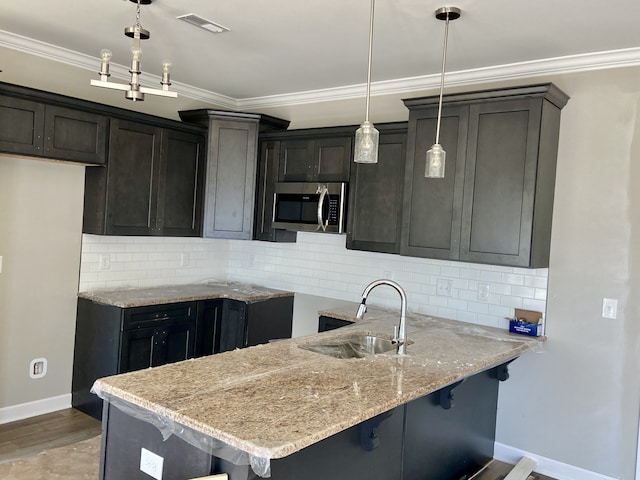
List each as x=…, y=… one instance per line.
x=34, y=435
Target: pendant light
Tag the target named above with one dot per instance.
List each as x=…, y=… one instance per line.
x=436, y=155
x=366, y=149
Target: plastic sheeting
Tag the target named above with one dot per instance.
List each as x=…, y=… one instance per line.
x=167, y=427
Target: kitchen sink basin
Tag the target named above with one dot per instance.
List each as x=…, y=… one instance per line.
x=354, y=346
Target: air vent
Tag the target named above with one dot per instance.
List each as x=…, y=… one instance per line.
x=212, y=27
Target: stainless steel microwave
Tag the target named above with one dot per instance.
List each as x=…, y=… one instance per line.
x=310, y=206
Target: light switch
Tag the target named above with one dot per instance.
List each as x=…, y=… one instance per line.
x=0, y=263
x=609, y=308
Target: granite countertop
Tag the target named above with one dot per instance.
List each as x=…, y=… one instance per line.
x=275, y=399
x=138, y=297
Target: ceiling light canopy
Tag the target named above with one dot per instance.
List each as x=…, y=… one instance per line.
x=436, y=155
x=133, y=90
x=366, y=148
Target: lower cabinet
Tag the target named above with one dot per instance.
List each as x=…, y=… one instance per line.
x=111, y=340
x=329, y=323
x=225, y=325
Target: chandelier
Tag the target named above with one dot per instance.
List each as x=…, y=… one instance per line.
x=133, y=90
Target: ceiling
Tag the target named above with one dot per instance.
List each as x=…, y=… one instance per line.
x=280, y=52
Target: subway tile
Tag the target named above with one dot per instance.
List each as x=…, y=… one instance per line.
x=513, y=278
x=492, y=277
x=524, y=292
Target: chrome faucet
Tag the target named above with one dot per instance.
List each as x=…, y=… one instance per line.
x=401, y=336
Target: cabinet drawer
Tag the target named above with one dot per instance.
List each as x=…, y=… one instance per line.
x=142, y=317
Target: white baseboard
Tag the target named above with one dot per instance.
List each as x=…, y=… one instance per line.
x=546, y=466
x=31, y=409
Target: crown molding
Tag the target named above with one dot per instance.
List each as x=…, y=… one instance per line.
x=552, y=66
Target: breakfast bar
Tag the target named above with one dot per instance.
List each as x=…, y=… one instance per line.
x=287, y=411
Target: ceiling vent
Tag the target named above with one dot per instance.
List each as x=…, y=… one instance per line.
x=212, y=27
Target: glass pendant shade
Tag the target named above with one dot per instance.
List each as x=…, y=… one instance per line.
x=436, y=157
x=366, y=149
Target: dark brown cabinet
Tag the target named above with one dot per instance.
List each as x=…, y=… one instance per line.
x=316, y=159
x=227, y=324
x=29, y=127
x=495, y=203
x=375, y=195
x=111, y=340
x=152, y=184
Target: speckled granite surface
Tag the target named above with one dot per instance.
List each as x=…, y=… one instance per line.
x=138, y=297
x=273, y=400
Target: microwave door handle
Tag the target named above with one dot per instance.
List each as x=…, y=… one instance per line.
x=322, y=190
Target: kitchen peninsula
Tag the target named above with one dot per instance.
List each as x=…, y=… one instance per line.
x=283, y=411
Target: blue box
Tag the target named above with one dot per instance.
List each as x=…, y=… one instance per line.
x=524, y=328
x=526, y=322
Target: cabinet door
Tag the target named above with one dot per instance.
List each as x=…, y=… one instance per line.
x=21, y=126
x=233, y=326
x=230, y=185
x=132, y=196
x=375, y=198
x=75, y=135
x=173, y=342
x=208, y=327
x=181, y=184
x=500, y=182
x=315, y=160
x=296, y=161
x=432, y=207
x=332, y=159
x=136, y=349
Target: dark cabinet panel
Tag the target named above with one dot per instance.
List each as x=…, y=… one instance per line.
x=225, y=325
x=329, y=323
x=21, y=126
x=75, y=135
x=495, y=203
x=500, y=182
x=433, y=207
x=375, y=197
x=152, y=184
x=319, y=159
x=268, y=169
x=111, y=340
x=134, y=162
x=181, y=184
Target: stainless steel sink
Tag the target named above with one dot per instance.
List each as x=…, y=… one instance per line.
x=353, y=346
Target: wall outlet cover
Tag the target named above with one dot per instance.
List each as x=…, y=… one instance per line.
x=443, y=287
x=151, y=464
x=609, y=308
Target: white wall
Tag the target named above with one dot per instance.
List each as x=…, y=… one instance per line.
x=40, y=230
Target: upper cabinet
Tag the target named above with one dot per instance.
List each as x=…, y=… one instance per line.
x=315, y=159
x=375, y=194
x=152, y=184
x=231, y=171
x=34, y=128
x=495, y=203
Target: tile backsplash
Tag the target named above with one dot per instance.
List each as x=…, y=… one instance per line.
x=318, y=264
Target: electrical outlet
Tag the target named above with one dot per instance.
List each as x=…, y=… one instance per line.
x=609, y=308
x=483, y=292
x=184, y=259
x=105, y=261
x=443, y=287
x=151, y=464
x=38, y=368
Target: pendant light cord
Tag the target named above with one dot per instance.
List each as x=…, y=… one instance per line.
x=366, y=115
x=444, y=62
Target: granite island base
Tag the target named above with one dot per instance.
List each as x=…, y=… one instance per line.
x=295, y=413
